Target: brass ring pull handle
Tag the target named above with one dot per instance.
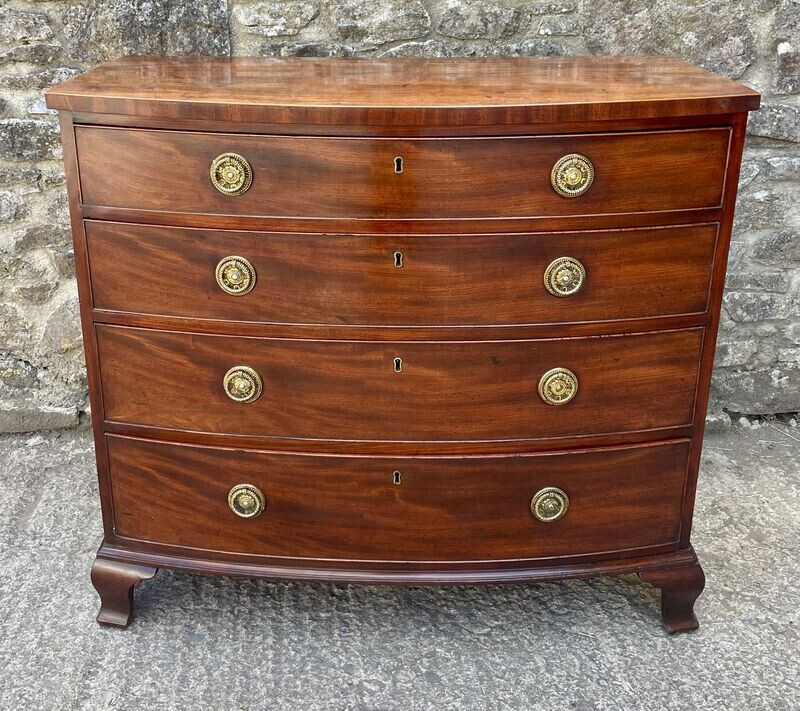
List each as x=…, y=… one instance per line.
x=564, y=276
x=231, y=174
x=242, y=384
x=235, y=275
x=572, y=175
x=549, y=504
x=246, y=500
x=558, y=386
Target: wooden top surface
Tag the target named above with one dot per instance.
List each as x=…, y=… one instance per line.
x=425, y=92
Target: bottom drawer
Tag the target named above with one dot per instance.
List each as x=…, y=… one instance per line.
x=442, y=509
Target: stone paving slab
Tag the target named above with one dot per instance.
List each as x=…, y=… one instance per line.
x=210, y=643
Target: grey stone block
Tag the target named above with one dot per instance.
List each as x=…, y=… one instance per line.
x=20, y=26
x=427, y=48
x=480, y=19
x=716, y=35
x=38, y=80
x=751, y=278
x=755, y=306
x=27, y=416
x=761, y=391
x=372, y=23
x=780, y=246
x=316, y=49
x=786, y=39
x=784, y=167
x=273, y=19
x=535, y=47
x=39, y=53
x=107, y=29
x=11, y=205
x=735, y=351
x=766, y=207
x=551, y=8
x=62, y=329
x=30, y=139
x=776, y=120
x=748, y=172
x=559, y=26
x=14, y=326
x=19, y=174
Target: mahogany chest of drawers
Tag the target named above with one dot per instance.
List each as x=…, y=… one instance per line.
x=402, y=321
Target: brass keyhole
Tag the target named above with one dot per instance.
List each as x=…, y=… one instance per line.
x=398, y=365
x=396, y=477
x=398, y=260
x=398, y=164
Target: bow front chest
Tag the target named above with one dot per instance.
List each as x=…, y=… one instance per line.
x=403, y=321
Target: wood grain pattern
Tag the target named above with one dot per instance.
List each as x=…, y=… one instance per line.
x=475, y=217
x=392, y=92
x=442, y=178
x=348, y=390
x=443, y=279
x=444, y=509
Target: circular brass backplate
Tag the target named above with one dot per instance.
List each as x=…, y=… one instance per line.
x=242, y=384
x=558, y=386
x=231, y=174
x=549, y=504
x=572, y=175
x=564, y=276
x=235, y=275
x=246, y=500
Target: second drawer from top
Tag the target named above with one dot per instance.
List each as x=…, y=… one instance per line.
x=400, y=280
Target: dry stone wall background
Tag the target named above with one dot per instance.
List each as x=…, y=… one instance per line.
x=42, y=42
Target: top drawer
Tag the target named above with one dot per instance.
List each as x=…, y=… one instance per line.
x=402, y=178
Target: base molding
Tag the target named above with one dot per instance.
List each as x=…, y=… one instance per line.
x=678, y=574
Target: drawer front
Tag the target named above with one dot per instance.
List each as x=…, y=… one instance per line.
x=443, y=508
x=440, y=178
x=351, y=390
x=401, y=280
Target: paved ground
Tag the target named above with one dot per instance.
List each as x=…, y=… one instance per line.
x=223, y=644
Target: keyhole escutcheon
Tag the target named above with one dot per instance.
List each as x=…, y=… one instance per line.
x=398, y=164
x=398, y=365
x=398, y=260
x=396, y=478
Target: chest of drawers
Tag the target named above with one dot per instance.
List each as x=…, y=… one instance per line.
x=401, y=321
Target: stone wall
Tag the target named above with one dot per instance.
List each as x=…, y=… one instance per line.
x=42, y=42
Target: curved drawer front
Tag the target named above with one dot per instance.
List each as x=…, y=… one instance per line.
x=437, y=178
x=444, y=509
x=401, y=280
x=422, y=391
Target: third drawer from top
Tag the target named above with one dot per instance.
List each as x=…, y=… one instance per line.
x=399, y=391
